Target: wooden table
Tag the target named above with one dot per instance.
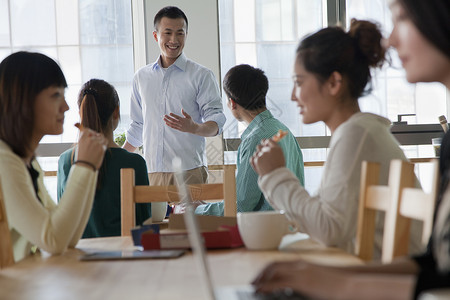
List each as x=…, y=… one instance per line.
x=65, y=277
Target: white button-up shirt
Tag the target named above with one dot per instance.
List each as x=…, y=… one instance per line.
x=157, y=92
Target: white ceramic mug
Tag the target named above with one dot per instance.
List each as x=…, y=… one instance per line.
x=263, y=230
x=159, y=210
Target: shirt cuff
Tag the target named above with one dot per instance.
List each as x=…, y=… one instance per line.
x=219, y=118
x=210, y=209
x=132, y=140
x=81, y=171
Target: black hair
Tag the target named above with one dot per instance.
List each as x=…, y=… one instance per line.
x=171, y=12
x=97, y=101
x=351, y=54
x=247, y=86
x=23, y=75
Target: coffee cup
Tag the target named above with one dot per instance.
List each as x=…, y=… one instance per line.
x=263, y=230
x=159, y=210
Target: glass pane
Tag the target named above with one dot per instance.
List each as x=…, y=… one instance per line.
x=113, y=64
x=4, y=53
x=72, y=116
x=400, y=99
x=366, y=10
x=4, y=24
x=105, y=22
x=39, y=28
x=309, y=17
x=268, y=16
x=315, y=129
x=287, y=18
x=393, y=95
x=395, y=69
x=246, y=54
x=280, y=104
x=67, y=22
x=278, y=25
x=313, y=175
x=69, y=58
x=244, y=20
x=226, y=21
x=50, y=164
x=277, y=60
x=124, y=92
x=49, y=51
x=231, y=128
x=375, y=102
x=429, y=102
x=227, y=61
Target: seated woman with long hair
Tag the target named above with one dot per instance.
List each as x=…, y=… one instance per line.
x=32, y=105
x=98, y=102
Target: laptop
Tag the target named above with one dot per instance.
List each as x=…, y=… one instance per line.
x=199, y=253
x=130, y=255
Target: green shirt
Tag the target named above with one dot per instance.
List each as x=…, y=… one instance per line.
x=105, y=214
x=248, y=195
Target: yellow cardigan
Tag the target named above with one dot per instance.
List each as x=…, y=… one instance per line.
x=50, y=227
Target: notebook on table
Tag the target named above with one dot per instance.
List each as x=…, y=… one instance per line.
x=199, y=252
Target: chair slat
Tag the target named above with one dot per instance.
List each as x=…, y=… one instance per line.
x=400, y=201
x=378, y=197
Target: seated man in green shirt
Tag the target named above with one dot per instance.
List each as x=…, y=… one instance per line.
x=246, y=88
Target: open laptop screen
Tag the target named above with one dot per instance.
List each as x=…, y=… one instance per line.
x=195, y=238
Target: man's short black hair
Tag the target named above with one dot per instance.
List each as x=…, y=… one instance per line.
x=247, y=86
x=171, y=12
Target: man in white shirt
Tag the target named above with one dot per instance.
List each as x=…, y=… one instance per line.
x=175, y=104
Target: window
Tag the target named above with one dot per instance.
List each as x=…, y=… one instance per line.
x=89, y=38
x=265, y=34
x=392, y=94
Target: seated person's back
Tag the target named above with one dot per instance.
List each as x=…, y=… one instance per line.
x=246, y=88
x=99, y=110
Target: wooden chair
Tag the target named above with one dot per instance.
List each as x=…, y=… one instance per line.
x=400, y=201
x=132, y=194
x=6, y=247
x=418, y=205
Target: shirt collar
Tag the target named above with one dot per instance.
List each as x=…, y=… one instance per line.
x=255, y=122
x=180, y=63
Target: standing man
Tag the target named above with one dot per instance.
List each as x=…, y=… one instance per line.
x=175, y=104
x=246, y=88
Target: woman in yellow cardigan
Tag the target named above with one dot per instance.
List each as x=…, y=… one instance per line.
x=32, y=105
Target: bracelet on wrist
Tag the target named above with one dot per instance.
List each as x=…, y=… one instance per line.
x=89, y=164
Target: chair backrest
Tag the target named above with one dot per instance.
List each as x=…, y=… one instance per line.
x=132, y=194
x=418, y=205
x=374, y=197
x=400, y=201
x=6, y=247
